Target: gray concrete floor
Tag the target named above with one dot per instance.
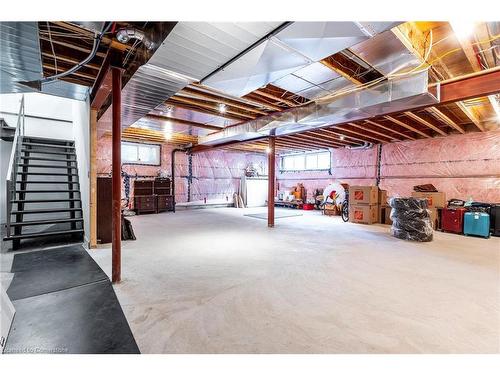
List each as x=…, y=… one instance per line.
x=214, y=281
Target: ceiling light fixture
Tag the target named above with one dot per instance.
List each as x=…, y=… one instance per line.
x=342, y=137
x=268, y=150
x=222, y=108
x=463, y=29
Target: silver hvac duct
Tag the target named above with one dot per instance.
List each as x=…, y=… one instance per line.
x=392, y=95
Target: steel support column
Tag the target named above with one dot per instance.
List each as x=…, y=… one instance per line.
x=116, y=175
x=271, y=166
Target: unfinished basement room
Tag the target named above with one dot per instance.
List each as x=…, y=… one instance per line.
x=253, y=187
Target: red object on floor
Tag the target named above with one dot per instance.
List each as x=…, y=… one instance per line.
x=452, y=220
x=308, y=206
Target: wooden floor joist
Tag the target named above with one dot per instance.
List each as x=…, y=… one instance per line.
x=391, y=129
x=407, y=126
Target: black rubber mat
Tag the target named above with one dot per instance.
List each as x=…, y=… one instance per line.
x=87, y=319
x=48, y=271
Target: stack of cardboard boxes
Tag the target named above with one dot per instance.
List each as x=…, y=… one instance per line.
x=436, y=202
x=384, y=211
x=364, y=204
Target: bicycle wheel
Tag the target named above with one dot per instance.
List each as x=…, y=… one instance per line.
x=345, y=211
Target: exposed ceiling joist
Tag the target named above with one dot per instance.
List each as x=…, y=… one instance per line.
x=391, y=129
x=425, y=122
x=407, y=126
x=446, y=119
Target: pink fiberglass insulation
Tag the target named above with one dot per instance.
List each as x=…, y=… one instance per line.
x=463, y=166
x=215, y=174
x=354, y=167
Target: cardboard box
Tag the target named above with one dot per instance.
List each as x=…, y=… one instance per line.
x=384, y=215
x=363, y=213
x=363, y=195
x=382, y=197
x=436, y=218
x=437, y=199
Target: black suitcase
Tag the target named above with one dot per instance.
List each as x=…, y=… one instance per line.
x=495, y=219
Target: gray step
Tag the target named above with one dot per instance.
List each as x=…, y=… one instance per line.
x=46, y=166
x=48, y=182
x=45, y=211
x=45, y=200
x=43, y=222
x=47, y=140
x=47, y=159
x=47, y=191
x=42, y=234
x=46, y=174
x=47, y=152
x=47, y=145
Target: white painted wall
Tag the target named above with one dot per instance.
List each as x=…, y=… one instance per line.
x=81, y=135
x=51, y=117
x=46, y=116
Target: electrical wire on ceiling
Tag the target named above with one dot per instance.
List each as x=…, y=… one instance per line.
x=97, y=40
x=52, y=47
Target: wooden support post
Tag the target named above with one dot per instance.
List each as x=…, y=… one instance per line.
x=116, y=175
x=271, y=166
x=93, y=178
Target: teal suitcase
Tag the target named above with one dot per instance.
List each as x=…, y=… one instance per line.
x=477, y=224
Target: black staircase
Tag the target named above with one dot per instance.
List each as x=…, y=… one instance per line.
x=43, y=192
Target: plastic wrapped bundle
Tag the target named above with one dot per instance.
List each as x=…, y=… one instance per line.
x=411, y=219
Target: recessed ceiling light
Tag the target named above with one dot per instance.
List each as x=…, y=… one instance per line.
x=463, y=29
x=342, y=137
x=222, y=108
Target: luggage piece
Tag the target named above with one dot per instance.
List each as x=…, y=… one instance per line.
x=495, y=220
x=452, y=220
x=477, y=224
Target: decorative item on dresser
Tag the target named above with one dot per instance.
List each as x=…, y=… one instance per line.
x=162, y=188
x=144, y=198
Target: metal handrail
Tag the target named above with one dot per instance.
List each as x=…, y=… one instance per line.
x=12, y=169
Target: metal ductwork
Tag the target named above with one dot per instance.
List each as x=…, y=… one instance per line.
x=20, y=63
x=392, y=95
x=125, y=34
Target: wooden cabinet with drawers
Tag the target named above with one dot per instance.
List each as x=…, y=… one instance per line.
x=153, y=196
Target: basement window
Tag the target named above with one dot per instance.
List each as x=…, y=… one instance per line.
x=313, y=161
x=140, y=153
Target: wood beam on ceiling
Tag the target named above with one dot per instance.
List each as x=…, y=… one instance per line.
x=306, y=142
x=264, y=103
x=391, y=129
x=334, y=138
x=211, y=111
x=317, y=139
x=415, y=42
x=424, y=122
x=72, y=46
x=71, y=60
x=384, y=135
x=339, y=70
x=210, y=107
x=362, y=137
x=274, y=97
x=76, y=74
x=407, y=126
x=446, y=119
x=182, y=122
x=190, y=93
x=294, y=145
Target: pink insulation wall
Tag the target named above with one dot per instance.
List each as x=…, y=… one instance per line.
x=216, y=174
x=462, y=166
x=355, y=167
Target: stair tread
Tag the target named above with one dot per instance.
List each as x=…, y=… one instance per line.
x=47, y=166
x=47, y=152
x=48, y=182
x=47, y=159
x=46, y=145
x=47, y=191
x=42, y=234
x=45, y=200
x=47, y=174
x=41, y=139
x=41, y=222
x=44, y=211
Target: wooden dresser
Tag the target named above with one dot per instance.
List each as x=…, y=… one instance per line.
x=144, y=198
